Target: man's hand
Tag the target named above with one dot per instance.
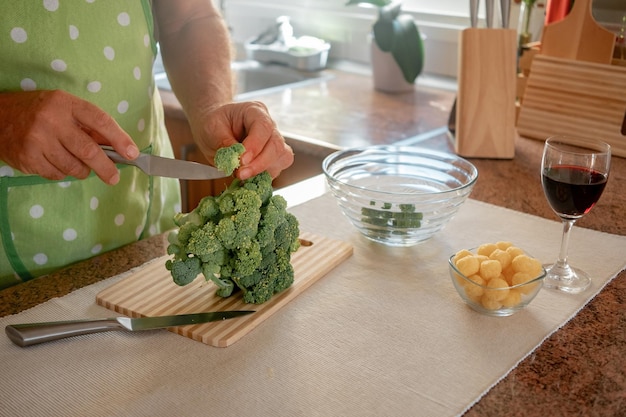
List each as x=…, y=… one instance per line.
x=196, y=50
x=55, y=134
x=249, y=123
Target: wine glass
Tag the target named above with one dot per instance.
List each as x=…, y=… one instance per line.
x=574, y=172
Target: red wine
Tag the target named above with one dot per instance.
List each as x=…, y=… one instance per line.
x=572, y=191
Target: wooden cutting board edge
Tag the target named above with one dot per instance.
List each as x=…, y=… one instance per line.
x=134, y=296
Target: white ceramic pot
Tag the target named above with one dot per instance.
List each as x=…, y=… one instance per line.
x=386, y=73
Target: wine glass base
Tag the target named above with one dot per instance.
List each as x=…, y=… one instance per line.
x=566, y=279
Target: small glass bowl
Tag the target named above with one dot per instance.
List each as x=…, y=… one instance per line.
x=494, y=301
x=399, y=196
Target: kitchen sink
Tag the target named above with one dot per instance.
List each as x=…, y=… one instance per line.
x=254, y=78
x=308, y=157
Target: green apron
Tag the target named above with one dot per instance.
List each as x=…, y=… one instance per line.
x=101, y=51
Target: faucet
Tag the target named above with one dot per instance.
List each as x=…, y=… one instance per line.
x=280, y=32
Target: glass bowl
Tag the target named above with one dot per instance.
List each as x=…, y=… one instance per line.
x=398, y=196
x=494, y=300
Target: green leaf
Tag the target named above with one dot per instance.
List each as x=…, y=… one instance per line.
x=384, y=34
x=408, y=48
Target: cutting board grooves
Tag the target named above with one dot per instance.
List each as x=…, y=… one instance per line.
x=576, y=98
x=149, y=291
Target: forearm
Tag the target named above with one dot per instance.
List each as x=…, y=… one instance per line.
x=196, y=53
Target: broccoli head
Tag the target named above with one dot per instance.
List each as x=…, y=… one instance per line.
x=239, y=240
x=227, y=159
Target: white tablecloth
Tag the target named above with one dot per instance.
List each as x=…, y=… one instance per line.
x=384, y=334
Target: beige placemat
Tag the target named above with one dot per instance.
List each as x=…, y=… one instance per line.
x=384, y=334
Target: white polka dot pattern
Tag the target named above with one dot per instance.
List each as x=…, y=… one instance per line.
x=119, y=219
x=51, y=5
x=58, y=65
x=6, y=171
x=19, y=35
x=109, y=53
x=123, y=19
x=101, y=51
x=28, y=84
x=122, y=107
x=36, y=211
x=40, y=259
x=69, y=234
x=73, y=32
x=94, y=86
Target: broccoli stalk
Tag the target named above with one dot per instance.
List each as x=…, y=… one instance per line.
x=241, y=239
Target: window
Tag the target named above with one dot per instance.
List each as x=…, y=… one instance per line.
x=347, y=28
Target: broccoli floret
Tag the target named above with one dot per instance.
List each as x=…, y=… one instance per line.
x=227, y=159
x=263, y=284
x=261, y=184
x=204, y=241
x=184, y=270
x=241, y=239
x=272, y=216
x=207, y=208
x=286, y=234
x=226, y=231
x=246, y=260
x=185, y=231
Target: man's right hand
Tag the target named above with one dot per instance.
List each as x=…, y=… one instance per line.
x=55, y=134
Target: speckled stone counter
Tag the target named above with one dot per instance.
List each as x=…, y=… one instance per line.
x=578, y=371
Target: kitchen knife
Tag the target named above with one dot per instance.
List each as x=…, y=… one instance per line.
x=473, y=13
x=167, y=167
x=35, y=333
x=489, y=12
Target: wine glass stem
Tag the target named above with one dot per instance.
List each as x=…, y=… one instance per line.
x=567, y=228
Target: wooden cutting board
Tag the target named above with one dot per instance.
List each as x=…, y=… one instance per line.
x=579, y=98
x=149, y=291
x=578, y=36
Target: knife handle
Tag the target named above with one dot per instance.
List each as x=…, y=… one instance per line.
x=114, y=156
x=35, y=333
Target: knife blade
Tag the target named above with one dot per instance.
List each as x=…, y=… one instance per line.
x=29, y=334
x=167, y=167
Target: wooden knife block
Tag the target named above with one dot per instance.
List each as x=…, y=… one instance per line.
x=568, y=97
x=485, y=112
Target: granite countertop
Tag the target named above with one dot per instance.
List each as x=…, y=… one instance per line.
x=579, y=370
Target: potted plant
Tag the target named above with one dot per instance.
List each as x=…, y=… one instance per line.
x=396, y=34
